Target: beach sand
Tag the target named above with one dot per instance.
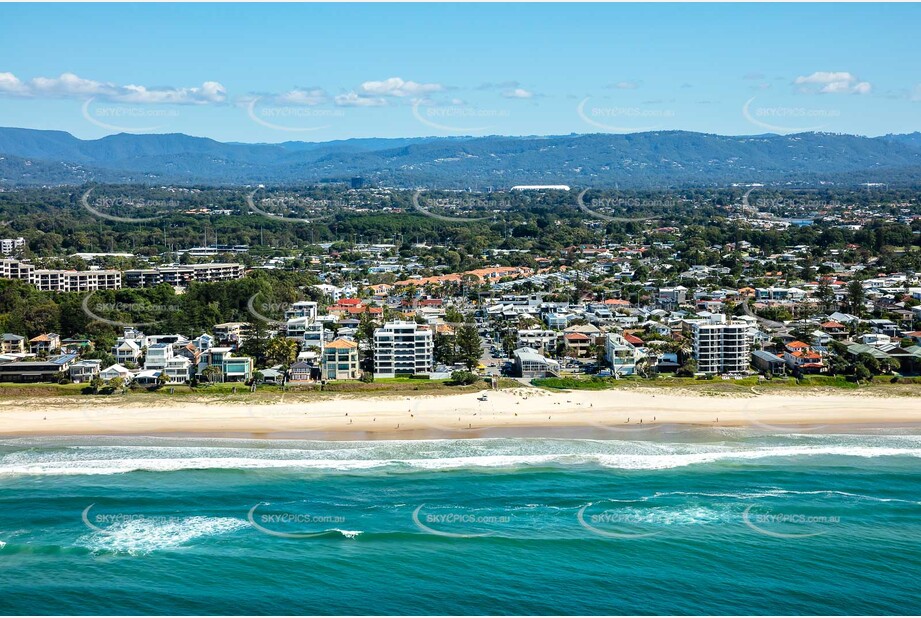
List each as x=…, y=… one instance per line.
x=518, y=411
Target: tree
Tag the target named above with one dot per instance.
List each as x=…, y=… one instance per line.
x=162, y=378
x=96, y=383
x=117, y=384
x=464, y=378
x=468, y=345
x=862, y=373
x=688, y=369
x=444, y=349
x=281, y=350
x=855, y=297
x=825, y=295
x=212, y=373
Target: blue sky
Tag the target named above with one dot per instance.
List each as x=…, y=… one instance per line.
x=312, y=72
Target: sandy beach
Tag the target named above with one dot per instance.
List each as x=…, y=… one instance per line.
x=519, y=410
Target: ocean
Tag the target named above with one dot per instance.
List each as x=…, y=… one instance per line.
x=670, y=521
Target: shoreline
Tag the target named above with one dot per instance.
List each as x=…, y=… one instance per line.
x=517, y=412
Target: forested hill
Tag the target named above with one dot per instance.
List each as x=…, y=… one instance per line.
x=640, y=160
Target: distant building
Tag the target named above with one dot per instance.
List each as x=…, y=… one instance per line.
x=182, y=275
x=11, y=245
x=12, y=344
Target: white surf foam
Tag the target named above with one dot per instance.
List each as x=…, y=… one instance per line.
x=142, y=536
x=428, y=455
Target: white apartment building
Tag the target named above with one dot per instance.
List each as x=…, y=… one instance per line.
x=61, y=280
x=76, y=280
x=15, y=269
x=9, y=245
x=180, y=276
x=538, y=339
x=303, y=309
x=403, y=348
x=720, y=346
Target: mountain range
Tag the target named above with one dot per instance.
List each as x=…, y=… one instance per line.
x=640, y=160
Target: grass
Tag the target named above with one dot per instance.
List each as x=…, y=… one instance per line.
x=880, y=385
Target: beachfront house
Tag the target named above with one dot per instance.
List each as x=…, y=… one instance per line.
x=116, y=371
x=49, y=370
x=83, y=371
x=157, y=357
x=127, y=352
x=231, y=368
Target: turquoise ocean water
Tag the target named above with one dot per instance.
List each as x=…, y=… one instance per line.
x=672, y=521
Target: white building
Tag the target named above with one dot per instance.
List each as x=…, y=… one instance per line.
x=158, y=355
x=720, y=346
x=303, y=309
x=403, y=348
x=539, y=339
x=10, y=245
x=178, y=370
x=622, y=355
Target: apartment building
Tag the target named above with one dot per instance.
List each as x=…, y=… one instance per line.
x=48, y=280
x=720, y=346
x=403, y=348
x=182, y=275
x=543, y=340
x=10, y=245
x=16, y=269
x=340, y=361
x=76, y=280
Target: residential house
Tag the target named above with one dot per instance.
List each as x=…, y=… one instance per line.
x=49, y=370
x=45, y=344
x=622, y=355
x=12, y=344
x=84, y=370
x=157, y=356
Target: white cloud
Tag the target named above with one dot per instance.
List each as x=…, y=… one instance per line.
x=10, y=84
x=916, y=93
x=353, y=99
x=304, y=96
x=68, y=85
x=625, y=85
x=396, y=87
x=832, y=82
x=518, y=93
